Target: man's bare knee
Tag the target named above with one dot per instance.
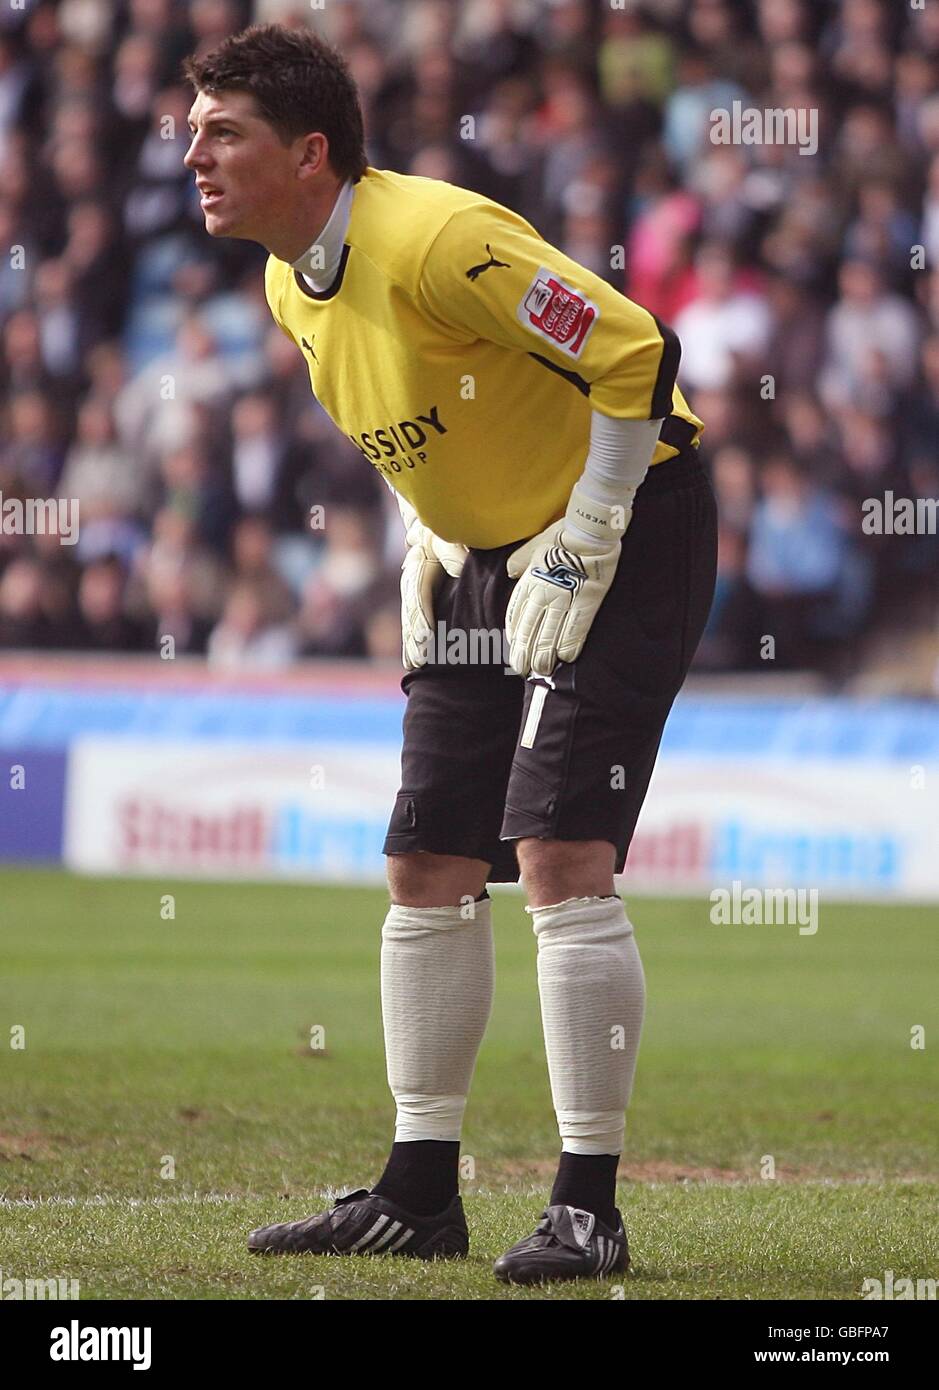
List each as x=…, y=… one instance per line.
x=435, y=880
x=554, y=870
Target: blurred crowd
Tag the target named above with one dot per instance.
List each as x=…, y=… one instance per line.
x=142, y=373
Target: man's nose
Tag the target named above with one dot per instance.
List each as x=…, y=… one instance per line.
x=195, y=155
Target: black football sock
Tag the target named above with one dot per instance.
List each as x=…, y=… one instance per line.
x=421, y=1175
x=587, y=1181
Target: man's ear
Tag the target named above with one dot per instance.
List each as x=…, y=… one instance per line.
x=314, y=154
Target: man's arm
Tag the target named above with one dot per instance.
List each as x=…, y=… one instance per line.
x=525, y=294
x=564, y=573
x=487, y=274
x=426, y=560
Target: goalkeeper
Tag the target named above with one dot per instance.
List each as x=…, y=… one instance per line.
x=526, y=414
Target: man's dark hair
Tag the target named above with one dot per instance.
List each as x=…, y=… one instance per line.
x=300, y=83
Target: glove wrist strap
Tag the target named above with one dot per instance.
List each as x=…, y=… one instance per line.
x=587, y=520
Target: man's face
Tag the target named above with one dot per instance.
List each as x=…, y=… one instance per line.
x=246, y=177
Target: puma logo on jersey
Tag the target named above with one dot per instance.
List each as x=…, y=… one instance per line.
x=309, y=348
x=475, y=271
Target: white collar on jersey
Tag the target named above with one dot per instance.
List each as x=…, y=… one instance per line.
x=320, y=262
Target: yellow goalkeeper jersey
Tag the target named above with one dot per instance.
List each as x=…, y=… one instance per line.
x=463, y=354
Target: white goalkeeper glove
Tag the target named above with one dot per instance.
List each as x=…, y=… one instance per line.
x=428, y=558
x=563, y=576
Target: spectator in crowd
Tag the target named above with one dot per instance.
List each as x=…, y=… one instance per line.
x=171, y=602
x=872, y=335
x=725, y=329
x=21, y=618
x=339, y=595
x=797, y=564
x=104, y=624
x=253, y=563
x=31, y=459
x=246, y=638
x=921, y=412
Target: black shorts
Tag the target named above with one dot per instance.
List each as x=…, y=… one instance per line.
x=489, y=758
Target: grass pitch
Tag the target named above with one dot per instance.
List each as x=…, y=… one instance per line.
x=168, y=1099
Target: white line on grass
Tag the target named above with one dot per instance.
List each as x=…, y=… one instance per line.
x=330, y=1194
x=105, y=1200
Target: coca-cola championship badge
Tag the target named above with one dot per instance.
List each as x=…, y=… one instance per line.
x=557, y=312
